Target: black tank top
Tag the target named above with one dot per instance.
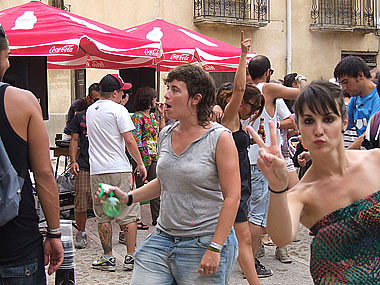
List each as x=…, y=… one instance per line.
x=241, y=139
x=21, y=235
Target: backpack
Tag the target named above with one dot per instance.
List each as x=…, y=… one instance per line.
x=10, y=187
x=371, y=138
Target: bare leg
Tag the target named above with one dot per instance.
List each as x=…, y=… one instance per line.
x=80, y=219
x=105, y=235
x=245, y=258
x=256, y=232
x=130, y=231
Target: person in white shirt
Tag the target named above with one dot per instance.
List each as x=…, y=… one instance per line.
x=109, y=128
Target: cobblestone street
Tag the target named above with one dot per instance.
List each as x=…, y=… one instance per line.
x=295, y=273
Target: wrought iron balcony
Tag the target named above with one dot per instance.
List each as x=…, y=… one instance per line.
x=59, y=4
x=345, y=15
x=251, y=13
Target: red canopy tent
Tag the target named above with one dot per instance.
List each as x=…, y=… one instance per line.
x=181, y=46
x=71, y=41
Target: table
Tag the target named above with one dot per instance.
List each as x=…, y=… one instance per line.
x=59, y=151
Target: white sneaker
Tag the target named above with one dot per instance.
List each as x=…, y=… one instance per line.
x=80, y=240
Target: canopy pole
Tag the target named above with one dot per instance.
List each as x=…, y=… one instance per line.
x=158, y=81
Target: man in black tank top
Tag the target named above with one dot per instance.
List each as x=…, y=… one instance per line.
x=22, y=250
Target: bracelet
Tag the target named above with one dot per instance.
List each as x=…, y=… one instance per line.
x=217, y=246
x=54, y=231
x=301, y=78
x=213, y=249
x=51, y=235
x=130, y=198
x=278, y=124
x=161, y=117
x=278, y=192
x=74, y=161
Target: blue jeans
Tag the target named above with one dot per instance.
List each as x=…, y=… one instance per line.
x=164, y=259
x=29, y=271
x=258, y=201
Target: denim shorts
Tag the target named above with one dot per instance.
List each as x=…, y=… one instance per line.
x=29, y=271
x=168, y=260
x=258, y=201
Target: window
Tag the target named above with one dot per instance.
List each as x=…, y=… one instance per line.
x=349, y=14
x=240, y=12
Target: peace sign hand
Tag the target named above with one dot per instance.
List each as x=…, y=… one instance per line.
x=270, y=160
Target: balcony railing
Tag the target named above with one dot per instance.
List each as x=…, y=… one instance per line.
x=237, y=12
x=59, y=4
x=350, y=15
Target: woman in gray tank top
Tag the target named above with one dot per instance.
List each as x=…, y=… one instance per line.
x=199, y=183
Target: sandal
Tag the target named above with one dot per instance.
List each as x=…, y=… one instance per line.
x=266, y=240
x=142, y=226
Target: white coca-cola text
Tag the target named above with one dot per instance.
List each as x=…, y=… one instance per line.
x=180, y=57
x=64, y=49
x=152, y=52
x=208, y=67
x=97, y=64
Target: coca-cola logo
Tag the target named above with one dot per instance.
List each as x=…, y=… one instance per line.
x=208, y=67
x=97, y=64
x=180, y=57
x=64, y=49
x=151, y=52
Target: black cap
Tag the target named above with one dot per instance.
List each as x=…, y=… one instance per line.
x=112, y=82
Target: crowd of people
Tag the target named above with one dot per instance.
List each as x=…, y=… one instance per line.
x=221, y=177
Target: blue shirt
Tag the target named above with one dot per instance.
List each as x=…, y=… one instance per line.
x=361, y=109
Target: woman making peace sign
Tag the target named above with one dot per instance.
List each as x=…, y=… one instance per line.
x=338, y=199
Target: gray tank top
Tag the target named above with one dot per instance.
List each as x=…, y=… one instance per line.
x=191, y=196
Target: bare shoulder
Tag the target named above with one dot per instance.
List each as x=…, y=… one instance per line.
x=367, y=158
x=21, y=98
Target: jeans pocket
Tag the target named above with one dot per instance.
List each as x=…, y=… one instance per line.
x=20, y=273
x=204, y=242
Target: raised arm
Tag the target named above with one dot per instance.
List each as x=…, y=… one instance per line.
x=284, y=209
x=232, y=108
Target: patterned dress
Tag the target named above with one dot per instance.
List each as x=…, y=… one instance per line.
x=146, y=136
x=346, y=248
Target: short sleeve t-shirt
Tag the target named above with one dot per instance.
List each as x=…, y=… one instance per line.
x=361, y=109
x=78, y=126
x=106, y=122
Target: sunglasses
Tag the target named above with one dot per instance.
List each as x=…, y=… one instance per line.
x=271, y=71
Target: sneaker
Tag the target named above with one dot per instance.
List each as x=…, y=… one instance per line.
x=129, y=262
x=121, y=237
x=80, y=240
x=106, y=263
x=261, y=270
x=282, y=255
x=260, y=251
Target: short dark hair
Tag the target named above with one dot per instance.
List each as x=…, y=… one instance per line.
x=143, y=98
x=258, y=66
x=289, y=79
x=197, y=81
x=252, y=92
x=321, y=97
x=351, y=66
x=3, y=39
x=93, y=87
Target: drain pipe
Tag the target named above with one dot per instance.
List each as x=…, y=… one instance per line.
x=289, y=36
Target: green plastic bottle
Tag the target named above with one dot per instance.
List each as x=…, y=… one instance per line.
x=111, y=205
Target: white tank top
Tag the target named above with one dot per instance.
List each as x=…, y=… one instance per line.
x=253, y=150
